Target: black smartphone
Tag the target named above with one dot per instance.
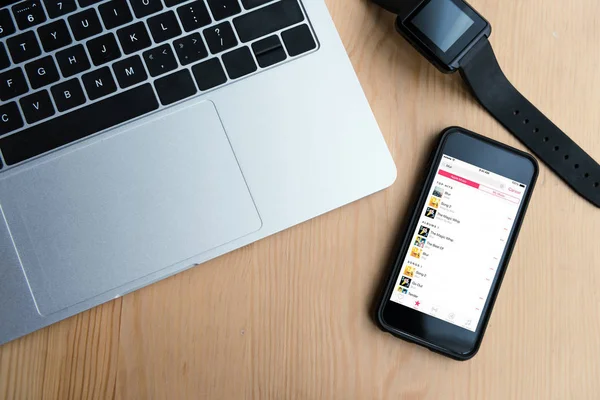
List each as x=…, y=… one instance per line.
x=459, y=241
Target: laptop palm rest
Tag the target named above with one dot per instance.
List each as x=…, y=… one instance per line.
x=146, y=198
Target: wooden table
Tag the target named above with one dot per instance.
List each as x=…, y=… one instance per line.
x=287, y=317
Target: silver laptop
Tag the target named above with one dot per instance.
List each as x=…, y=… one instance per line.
x=141, y=137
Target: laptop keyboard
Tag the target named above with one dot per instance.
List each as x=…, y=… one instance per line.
x=72, y=68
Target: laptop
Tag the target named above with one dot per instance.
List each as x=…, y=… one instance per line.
x=139, y=138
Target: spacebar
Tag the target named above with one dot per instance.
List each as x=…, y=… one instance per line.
x=78, y=124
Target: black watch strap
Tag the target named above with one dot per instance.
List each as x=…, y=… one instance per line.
x=480, y=70
x=401, y=8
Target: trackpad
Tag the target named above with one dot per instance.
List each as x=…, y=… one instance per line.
x=125, y=207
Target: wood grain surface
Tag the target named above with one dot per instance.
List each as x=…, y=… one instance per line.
x=287, y=317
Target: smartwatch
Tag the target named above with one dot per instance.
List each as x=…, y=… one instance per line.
x=454, y=37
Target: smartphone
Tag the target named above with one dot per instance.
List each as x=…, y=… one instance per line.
x=452, y=260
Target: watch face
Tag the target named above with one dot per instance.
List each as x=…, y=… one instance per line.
x=444, y=27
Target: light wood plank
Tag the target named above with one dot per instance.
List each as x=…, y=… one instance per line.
x=288, y=317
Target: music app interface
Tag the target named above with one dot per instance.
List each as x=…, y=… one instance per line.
x=456, y=249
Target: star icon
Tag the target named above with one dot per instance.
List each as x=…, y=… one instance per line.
x=417, y=303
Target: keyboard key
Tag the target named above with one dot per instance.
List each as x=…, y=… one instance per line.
x=37, y=106
x=6, y=24
x=103, y=49
x=222, y=9
x=12, y=84
x=298, y=40
x=268, y=19
x=220, y=37
x=190, y=49
x=268, y=51
x=85, y=24
x=83, y=122
x=209, y=74
x=175, y=87
x=194, y=15
x=10, y=118
x=115, y=13
x=160, y=60
x=42, y=72
x=54, y=35
x=99, y=83
x=171, y=3
x=23, y=47
x=72, y=60
x=239, y=62
x=68, y=94
x=86, y=3
x=134, y=37
x=164, y=26
x=28, y=13
x=248, y=4
x=57, y=8
x=130, y=71
x=4, y=60
x=142, y=8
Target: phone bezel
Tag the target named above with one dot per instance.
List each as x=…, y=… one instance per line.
x=431, y=332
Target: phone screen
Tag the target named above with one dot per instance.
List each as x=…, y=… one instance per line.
x=458, y=244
